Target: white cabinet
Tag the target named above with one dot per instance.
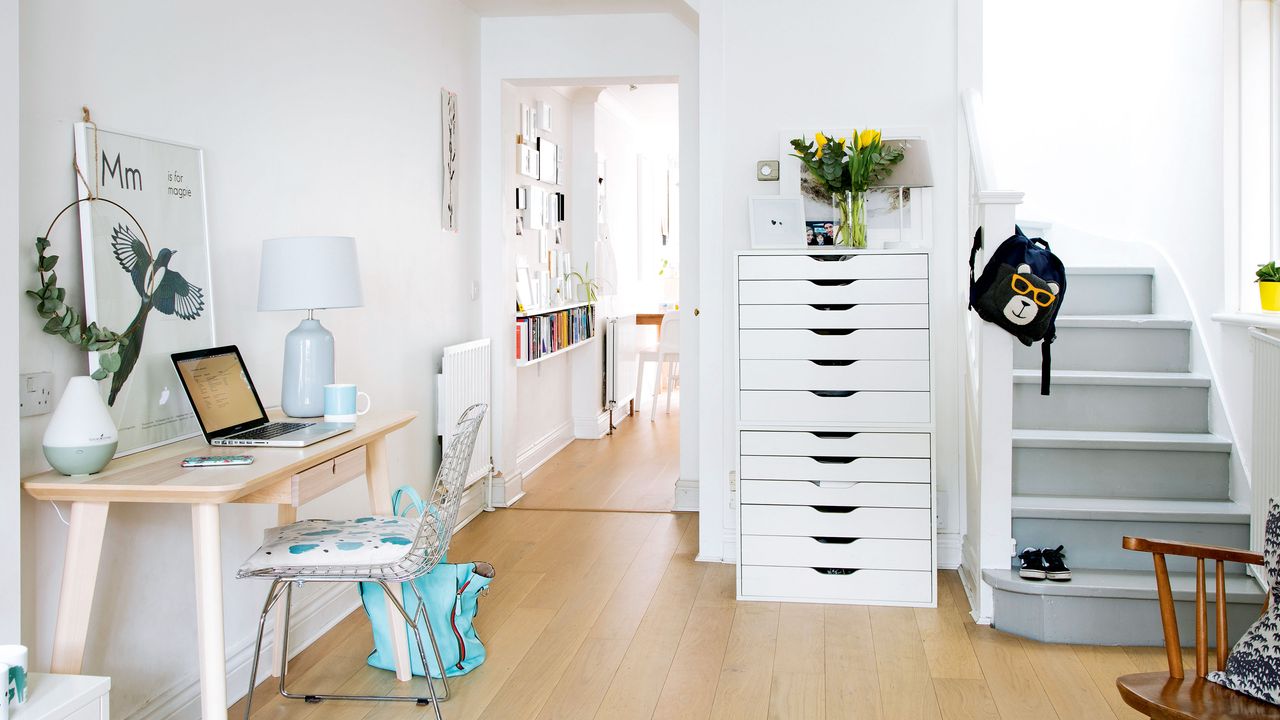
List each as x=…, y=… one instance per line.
x=64, y=697
x=835, y=419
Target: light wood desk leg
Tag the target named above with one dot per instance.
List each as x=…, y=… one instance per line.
x=377, y=475
x=209, y=637
x=79, y=576
x=285, y=515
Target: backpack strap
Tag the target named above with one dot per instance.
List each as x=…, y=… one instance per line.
x=973, y=258
x=1046, y=365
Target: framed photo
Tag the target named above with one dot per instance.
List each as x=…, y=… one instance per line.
x=548, y=165
x=524, y=289
x=527, y=161
x=543, y=116
x=519, y=224
x=526, y=125
x=777, y=222
x=559, y=165
x=149, y=271
x=536, y=212
x=522, y=197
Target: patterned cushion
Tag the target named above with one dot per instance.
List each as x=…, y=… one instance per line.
x=1253, y=667
x=371, y=540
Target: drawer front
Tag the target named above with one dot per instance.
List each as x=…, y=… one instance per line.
x=314, y=482
x=901, y=523
x=834, y=344
x=906, y=586
x=821, y=375
x=836, y=492
x=828, y=292
x=835, y=469
x=846, y=444
x=829, y=266
x=833, y=316
x=808, y=552
x=793, y=406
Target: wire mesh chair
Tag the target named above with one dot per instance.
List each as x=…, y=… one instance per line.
x=431, y=541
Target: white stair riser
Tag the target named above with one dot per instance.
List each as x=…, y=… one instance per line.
x=1106, y=621
x=1112, y=407
x=1155, y=474
x=1107, y=295
x=1097, y=543
x=1120, y=349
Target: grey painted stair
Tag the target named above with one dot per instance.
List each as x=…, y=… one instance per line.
x=1108, y=291
x=1111, y=607
x=1093, y=528
x=1120, y=464
x=1137, y=401
x=1115, y=342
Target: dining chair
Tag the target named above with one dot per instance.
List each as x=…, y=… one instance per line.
x=380, y=551
x=666, y=351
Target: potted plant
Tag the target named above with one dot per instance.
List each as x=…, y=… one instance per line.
x=1269, y=286
x=847, y=169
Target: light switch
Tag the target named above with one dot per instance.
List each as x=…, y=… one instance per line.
x=35, y=394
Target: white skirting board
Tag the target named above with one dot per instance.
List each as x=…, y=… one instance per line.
x=544, y=448
x=686, y=495
x=948, y=551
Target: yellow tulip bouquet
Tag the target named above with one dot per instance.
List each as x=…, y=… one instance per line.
x=847, y=168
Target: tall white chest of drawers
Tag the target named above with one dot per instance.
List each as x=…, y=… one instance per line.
x=835, y=427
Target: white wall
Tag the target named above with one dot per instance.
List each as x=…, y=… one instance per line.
x=315, y=118
x=10, y=494
x=874, y=82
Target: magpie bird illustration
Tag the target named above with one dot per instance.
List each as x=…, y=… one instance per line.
x=159, y=288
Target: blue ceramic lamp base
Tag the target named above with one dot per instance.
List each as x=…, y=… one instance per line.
x=308, y=367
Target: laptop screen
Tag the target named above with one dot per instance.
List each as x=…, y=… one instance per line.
x=220, y=389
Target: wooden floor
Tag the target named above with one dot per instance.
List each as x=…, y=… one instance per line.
x=606, y=615
x=635, y=469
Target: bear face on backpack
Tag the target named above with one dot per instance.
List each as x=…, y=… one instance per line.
x=1020, y=299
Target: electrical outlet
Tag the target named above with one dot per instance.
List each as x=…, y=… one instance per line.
x=35, y=394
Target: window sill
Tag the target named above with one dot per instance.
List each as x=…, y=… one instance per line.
x=1268, y=320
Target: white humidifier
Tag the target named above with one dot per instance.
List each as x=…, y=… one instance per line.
x=81, y=438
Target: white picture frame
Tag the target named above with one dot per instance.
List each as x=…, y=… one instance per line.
x=543, y=116
x=524, y=289
x=777, y=221
x=527, y=161
x=525, y=136
x=548, y=164
x=536, y=212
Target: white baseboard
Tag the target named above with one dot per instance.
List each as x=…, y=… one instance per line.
x=506, y=489
x=686, y=495
x=544, y=448
x=948, y=551
x=311, y=621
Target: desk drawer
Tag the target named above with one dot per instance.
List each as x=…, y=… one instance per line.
x=828, y=292
x=902, y=523
x=835, y=492
x=815, y=375
x=819, y=344
x=830, y=266
x=906, y=586
x=314, y=482
x=809, y=552
x=844, y=444
x=835, y=469
x=797, y=406
x=833, y=316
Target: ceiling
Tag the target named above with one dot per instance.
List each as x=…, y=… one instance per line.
x=684, y=10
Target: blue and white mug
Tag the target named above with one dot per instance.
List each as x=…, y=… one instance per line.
x=341, y=401
x=14, y=659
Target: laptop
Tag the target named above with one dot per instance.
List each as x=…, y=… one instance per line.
x=229, y=409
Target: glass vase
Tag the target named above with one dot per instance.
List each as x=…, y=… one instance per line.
x=851, y=209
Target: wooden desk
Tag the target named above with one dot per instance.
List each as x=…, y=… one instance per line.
x=285, y=477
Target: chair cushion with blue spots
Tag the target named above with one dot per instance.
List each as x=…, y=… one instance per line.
x=1253, y=667
x=370, y=540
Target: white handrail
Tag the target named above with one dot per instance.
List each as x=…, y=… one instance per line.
x=979, y=147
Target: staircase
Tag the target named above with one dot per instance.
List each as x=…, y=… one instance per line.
x=1121, y=447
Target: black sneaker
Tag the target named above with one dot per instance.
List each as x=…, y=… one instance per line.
x=1055, y=567
x=1033, y=567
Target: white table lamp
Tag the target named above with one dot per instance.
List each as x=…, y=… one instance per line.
x=915, y=171
x=308, y=273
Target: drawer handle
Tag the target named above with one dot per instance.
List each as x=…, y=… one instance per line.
x=835, y=540
x=833, y=363
x=834, y=393
x=834, y=485
x=830, y=258
x=834, y=571
x=831, y=435
x=832, y=459
x=833, y=509
x=833, y=331
x=832, y=283
x=827, y=308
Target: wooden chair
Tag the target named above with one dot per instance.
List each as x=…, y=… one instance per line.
x=1170, y=696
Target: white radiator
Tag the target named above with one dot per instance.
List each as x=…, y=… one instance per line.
x=621, y=345
x=1266, y=427
x=464, y=380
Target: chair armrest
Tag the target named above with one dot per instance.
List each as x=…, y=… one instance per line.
x=1208, y=552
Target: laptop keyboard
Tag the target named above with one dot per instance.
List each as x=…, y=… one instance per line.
x=274, y=430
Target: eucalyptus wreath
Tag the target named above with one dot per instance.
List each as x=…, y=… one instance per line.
x=63, y=320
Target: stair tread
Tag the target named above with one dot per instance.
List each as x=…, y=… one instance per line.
x=1136, y=509
x=1115, y=377
x=1136, y=584
x=1112, y=440
x=1110, y=270
x=1140, y=322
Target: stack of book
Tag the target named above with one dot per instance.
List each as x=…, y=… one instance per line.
x=539, y=335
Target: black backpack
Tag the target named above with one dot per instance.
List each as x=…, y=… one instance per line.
x=1021, y=289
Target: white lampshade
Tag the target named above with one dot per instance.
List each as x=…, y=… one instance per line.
x=915, y=170
x=309, y=273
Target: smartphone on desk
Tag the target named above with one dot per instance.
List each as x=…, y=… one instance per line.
x=217, y=460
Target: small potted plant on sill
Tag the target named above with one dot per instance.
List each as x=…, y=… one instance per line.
x=1269, y=286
